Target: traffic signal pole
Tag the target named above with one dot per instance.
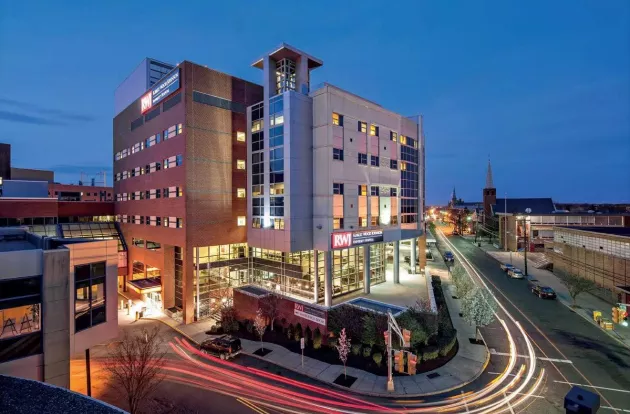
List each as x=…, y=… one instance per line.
x=404, y=340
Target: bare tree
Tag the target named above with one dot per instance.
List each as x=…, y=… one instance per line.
x=576, y=285
x=261, y=326
x=343, y=347
x=135, y=365
x=270, y=306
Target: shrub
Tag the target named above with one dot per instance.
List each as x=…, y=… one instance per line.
x=332, y=342
x=297, y=333
x=229, y=319
x=249, y=326
x=308, y=334
x=430, y=353
x=411, y=320
x=290, y=331
x=216, y=330
x=369, y=335
x=378, y=358
x=349, y=317
x=367, y=351
x=447, y=343
x=356, y=349
x=317, y=339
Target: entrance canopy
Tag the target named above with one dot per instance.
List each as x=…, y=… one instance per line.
x=148, y=285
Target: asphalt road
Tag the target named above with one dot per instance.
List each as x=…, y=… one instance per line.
x=590, y=356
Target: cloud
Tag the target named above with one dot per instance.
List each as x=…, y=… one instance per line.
x=58, y=114
x=28, y=119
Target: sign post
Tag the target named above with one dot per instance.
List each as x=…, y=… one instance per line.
x=302, y=347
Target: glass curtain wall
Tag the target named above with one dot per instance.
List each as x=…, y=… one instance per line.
x=347, y=270
x=377, y=263
x=286, y=273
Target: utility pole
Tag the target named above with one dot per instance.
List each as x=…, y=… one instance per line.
x=505, y=223
x=88, y=374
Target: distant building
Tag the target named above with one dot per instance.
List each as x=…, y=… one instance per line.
x=57, y=298
x=146, y=74
x=601, y=254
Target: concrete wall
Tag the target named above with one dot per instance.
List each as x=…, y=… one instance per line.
x=91, y=252
x=20, y=263
x=29, y=174
x=56, y=317
x=31, y=367
x=24, y=188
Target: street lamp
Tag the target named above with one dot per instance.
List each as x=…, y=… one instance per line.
x=525, y=219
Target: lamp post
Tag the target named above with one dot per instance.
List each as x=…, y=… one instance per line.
x=525, y=219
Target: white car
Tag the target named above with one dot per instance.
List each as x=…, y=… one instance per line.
x=515, y=273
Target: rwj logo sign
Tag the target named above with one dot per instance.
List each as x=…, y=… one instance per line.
x=340, y=240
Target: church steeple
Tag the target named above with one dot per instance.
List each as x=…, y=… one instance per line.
x=489, y=183
x=453, y=197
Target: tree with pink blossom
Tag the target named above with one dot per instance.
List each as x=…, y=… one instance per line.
x=343, y=347
x=261, y=325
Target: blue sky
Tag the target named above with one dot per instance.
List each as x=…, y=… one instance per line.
x=540, y=87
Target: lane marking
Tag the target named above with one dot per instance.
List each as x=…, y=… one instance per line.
x=251, y=406
x=566, y=361
x=499, y=373
x=593, y=386
x=616, y=409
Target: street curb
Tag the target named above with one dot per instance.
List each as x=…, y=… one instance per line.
x=179, y=331
x=376, y=394
x=568, y=305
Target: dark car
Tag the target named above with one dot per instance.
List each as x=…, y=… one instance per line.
x=224, y=347
x=544, y=292
x=448, y=257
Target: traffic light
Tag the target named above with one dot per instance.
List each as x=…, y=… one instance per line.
x=399, y=363
x=406, y=338
x=386, y=335
x=615, y=314
x=412, y=360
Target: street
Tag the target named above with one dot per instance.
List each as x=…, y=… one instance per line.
x=576, y=352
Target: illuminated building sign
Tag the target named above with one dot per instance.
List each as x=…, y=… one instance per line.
x=349, y=239
x=168, y=85
x=309, y=313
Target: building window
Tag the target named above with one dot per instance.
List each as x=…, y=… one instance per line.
x=393, y=191
x=278, y=224
x=240, y=193
x=89, y=300
x=403, y=140
x=374, y=160
x=394, y=220
x=138, y=242
x=241, y=220
x=276, y=206
x=151, y=245
x=393, y=136
x=338, y=188
x=363, y=222
x=362, y=126
x=362, y=159
x=403, y=166
x=337, y=154
x=393, y=164
x=362, y=189
x=276, y=189
x=374, y=190
x=373, y=130
x=240, y=164
x=337, y=119
x=180, y=223
x=256, y=222
x=257, y=125
x=338, y=223
x=374, y=222
x=240, y=136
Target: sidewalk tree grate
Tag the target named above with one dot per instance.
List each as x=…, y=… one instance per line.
x=433, y=375
x=345, y=380
x=262, y=352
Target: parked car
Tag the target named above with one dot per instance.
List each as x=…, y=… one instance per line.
x=515, y=273
x=448, y=257
x=455, y=233
x=224, y=347
x=506, y=266
x=544, y=292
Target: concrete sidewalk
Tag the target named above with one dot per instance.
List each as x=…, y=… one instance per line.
x=586, y=302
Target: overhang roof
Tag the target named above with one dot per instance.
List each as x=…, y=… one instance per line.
x=288, y=51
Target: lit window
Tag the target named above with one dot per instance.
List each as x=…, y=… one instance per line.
x=278, y=224
x=240, y=136
x=257, y=125
x=180, y=128
x=374, y=221
x=393, y=136
x=240, y=164
x=276, y=188
x=374, y=130
x=277, y=119
x=240, y=193
x=362, y=221
x=362, y=127
x=394, y=220
x=403, y=139
x=256, y=222
x=337, y=154
x=403, y=166
x=338, y=223
x=337, y=119
x=240, y=221
x=363, y=190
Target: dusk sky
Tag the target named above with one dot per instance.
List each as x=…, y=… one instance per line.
x=540, y=87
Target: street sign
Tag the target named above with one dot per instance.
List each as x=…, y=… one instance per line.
x=301, y=343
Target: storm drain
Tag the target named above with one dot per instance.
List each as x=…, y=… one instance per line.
x=433, y=375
